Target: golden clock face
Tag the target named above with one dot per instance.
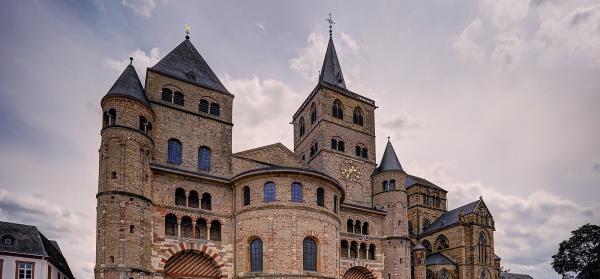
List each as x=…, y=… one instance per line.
x=349, y=171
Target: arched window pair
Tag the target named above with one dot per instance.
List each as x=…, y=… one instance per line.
x=313, y=149
x=145, y=126
x=309, y=254
x=176, y=97
x=357, y=116
x=192, y=200
x=361, y=151
x=175, y=150
x=109, y=118
x=389, y=185
x=302, y=129
x=337, y=110
x=338, y=144
x=357, y=251
x=206, y=107
x=441, y=242
x=355, y=227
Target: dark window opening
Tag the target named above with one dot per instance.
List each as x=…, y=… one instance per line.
x=171, y=225
x=309, y=254
x=166, y=95
x=215, y=109
x=174, y=151
x=320, y=197
x=215, y=230
x=203, y=106
x=256, y=255
x=193, y=200
x=178, y=98
x=246, y=194
x=179, y=196
x=205, y=202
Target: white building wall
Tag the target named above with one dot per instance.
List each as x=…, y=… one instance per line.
x=40, y=269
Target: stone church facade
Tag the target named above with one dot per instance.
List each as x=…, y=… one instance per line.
x=174, y=201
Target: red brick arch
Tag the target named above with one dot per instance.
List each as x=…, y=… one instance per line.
x=184, y=246
x=363, y=271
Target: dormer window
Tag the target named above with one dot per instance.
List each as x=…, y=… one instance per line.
x=8, y=240
x=191, y=75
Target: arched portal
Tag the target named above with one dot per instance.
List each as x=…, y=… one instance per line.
x=358, y=272
x=192, y=264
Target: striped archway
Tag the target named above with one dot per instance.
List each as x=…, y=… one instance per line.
x=183, y=252
x=358, y=272
x=192, y=264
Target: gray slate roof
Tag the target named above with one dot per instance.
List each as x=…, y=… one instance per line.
x=185, y=63
x=331, y=72
x=389, y=161
x=128, y=85
x=506, y=275
x=451, y=217
x=28, y=240
x=438, y=259
x=412, y=180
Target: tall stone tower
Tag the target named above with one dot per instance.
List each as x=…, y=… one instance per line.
x=334, y=131
x=389, y=195
x=124, y=207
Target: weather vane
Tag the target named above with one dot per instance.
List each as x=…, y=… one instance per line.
x=331, y=22
x=187, y=31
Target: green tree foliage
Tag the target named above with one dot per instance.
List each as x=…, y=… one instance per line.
x=579, y=257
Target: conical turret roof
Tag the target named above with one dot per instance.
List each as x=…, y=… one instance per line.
x=331, y=72
x=389, y=161
x=128, y=85
x=185, y=63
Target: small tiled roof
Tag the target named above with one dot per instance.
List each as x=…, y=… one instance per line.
x=389, y=160
x=412, y=180
x=185, y=63
x=451, y=217
x=438, y=259
x=28, y=240
x=128, y=85
x=507, y=275
x=331, y=72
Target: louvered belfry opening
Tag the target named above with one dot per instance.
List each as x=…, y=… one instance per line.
x=358, y=272
x=192, y=264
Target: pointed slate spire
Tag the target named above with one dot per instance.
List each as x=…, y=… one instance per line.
x=389, y=161
x=185, y=63
x=128, y=85
x=331, y=72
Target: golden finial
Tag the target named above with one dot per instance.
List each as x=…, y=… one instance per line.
x=187, y=31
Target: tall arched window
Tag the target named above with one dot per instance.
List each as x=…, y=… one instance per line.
x=301, y=126
x=483, y=248
x=441, y=242
x=362, y=251
x=193, y=200
x=112, y=117
x=166, y=95
x=297, y=192
x=426, y=198
x=204, y=158
x=203, y=106
x=357, y=228
x=357, y=117
x=215, y=230
x=215, y=109
x=365, y=228
x=309, y=254
x=392, y=185
x=246, y=195
x=335, y=204
x=171, y=225
x=350, y=226
x=186, y=227
x=179, y=196
x=206, y=202
x=344, y=249
x=320, y=197
x=364, y=153
x=444, y=274
x=353, y=249
x=372, y=251
x=178, y=98
x=336, y=109
x=269, y=194
x=313, y=149
x=429, y=274
x=334, y=144
x=201, y=229
x=145, y=126
x=436, y=200
x=256, y=255
x=174, y=151
x=313, y=113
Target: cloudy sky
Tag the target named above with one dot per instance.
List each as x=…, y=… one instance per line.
x=498, y=98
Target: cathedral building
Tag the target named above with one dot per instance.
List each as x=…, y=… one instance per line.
x=174, y=200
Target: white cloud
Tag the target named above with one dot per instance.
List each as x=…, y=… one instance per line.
x=262, y=107
x=141, y=61
x=310, y=58
x=141, y=7
x=507, y=52
x=350, y=42
x=465, y=44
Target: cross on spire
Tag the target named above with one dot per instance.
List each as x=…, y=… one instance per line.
x=331, y=22
x=187, y=31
